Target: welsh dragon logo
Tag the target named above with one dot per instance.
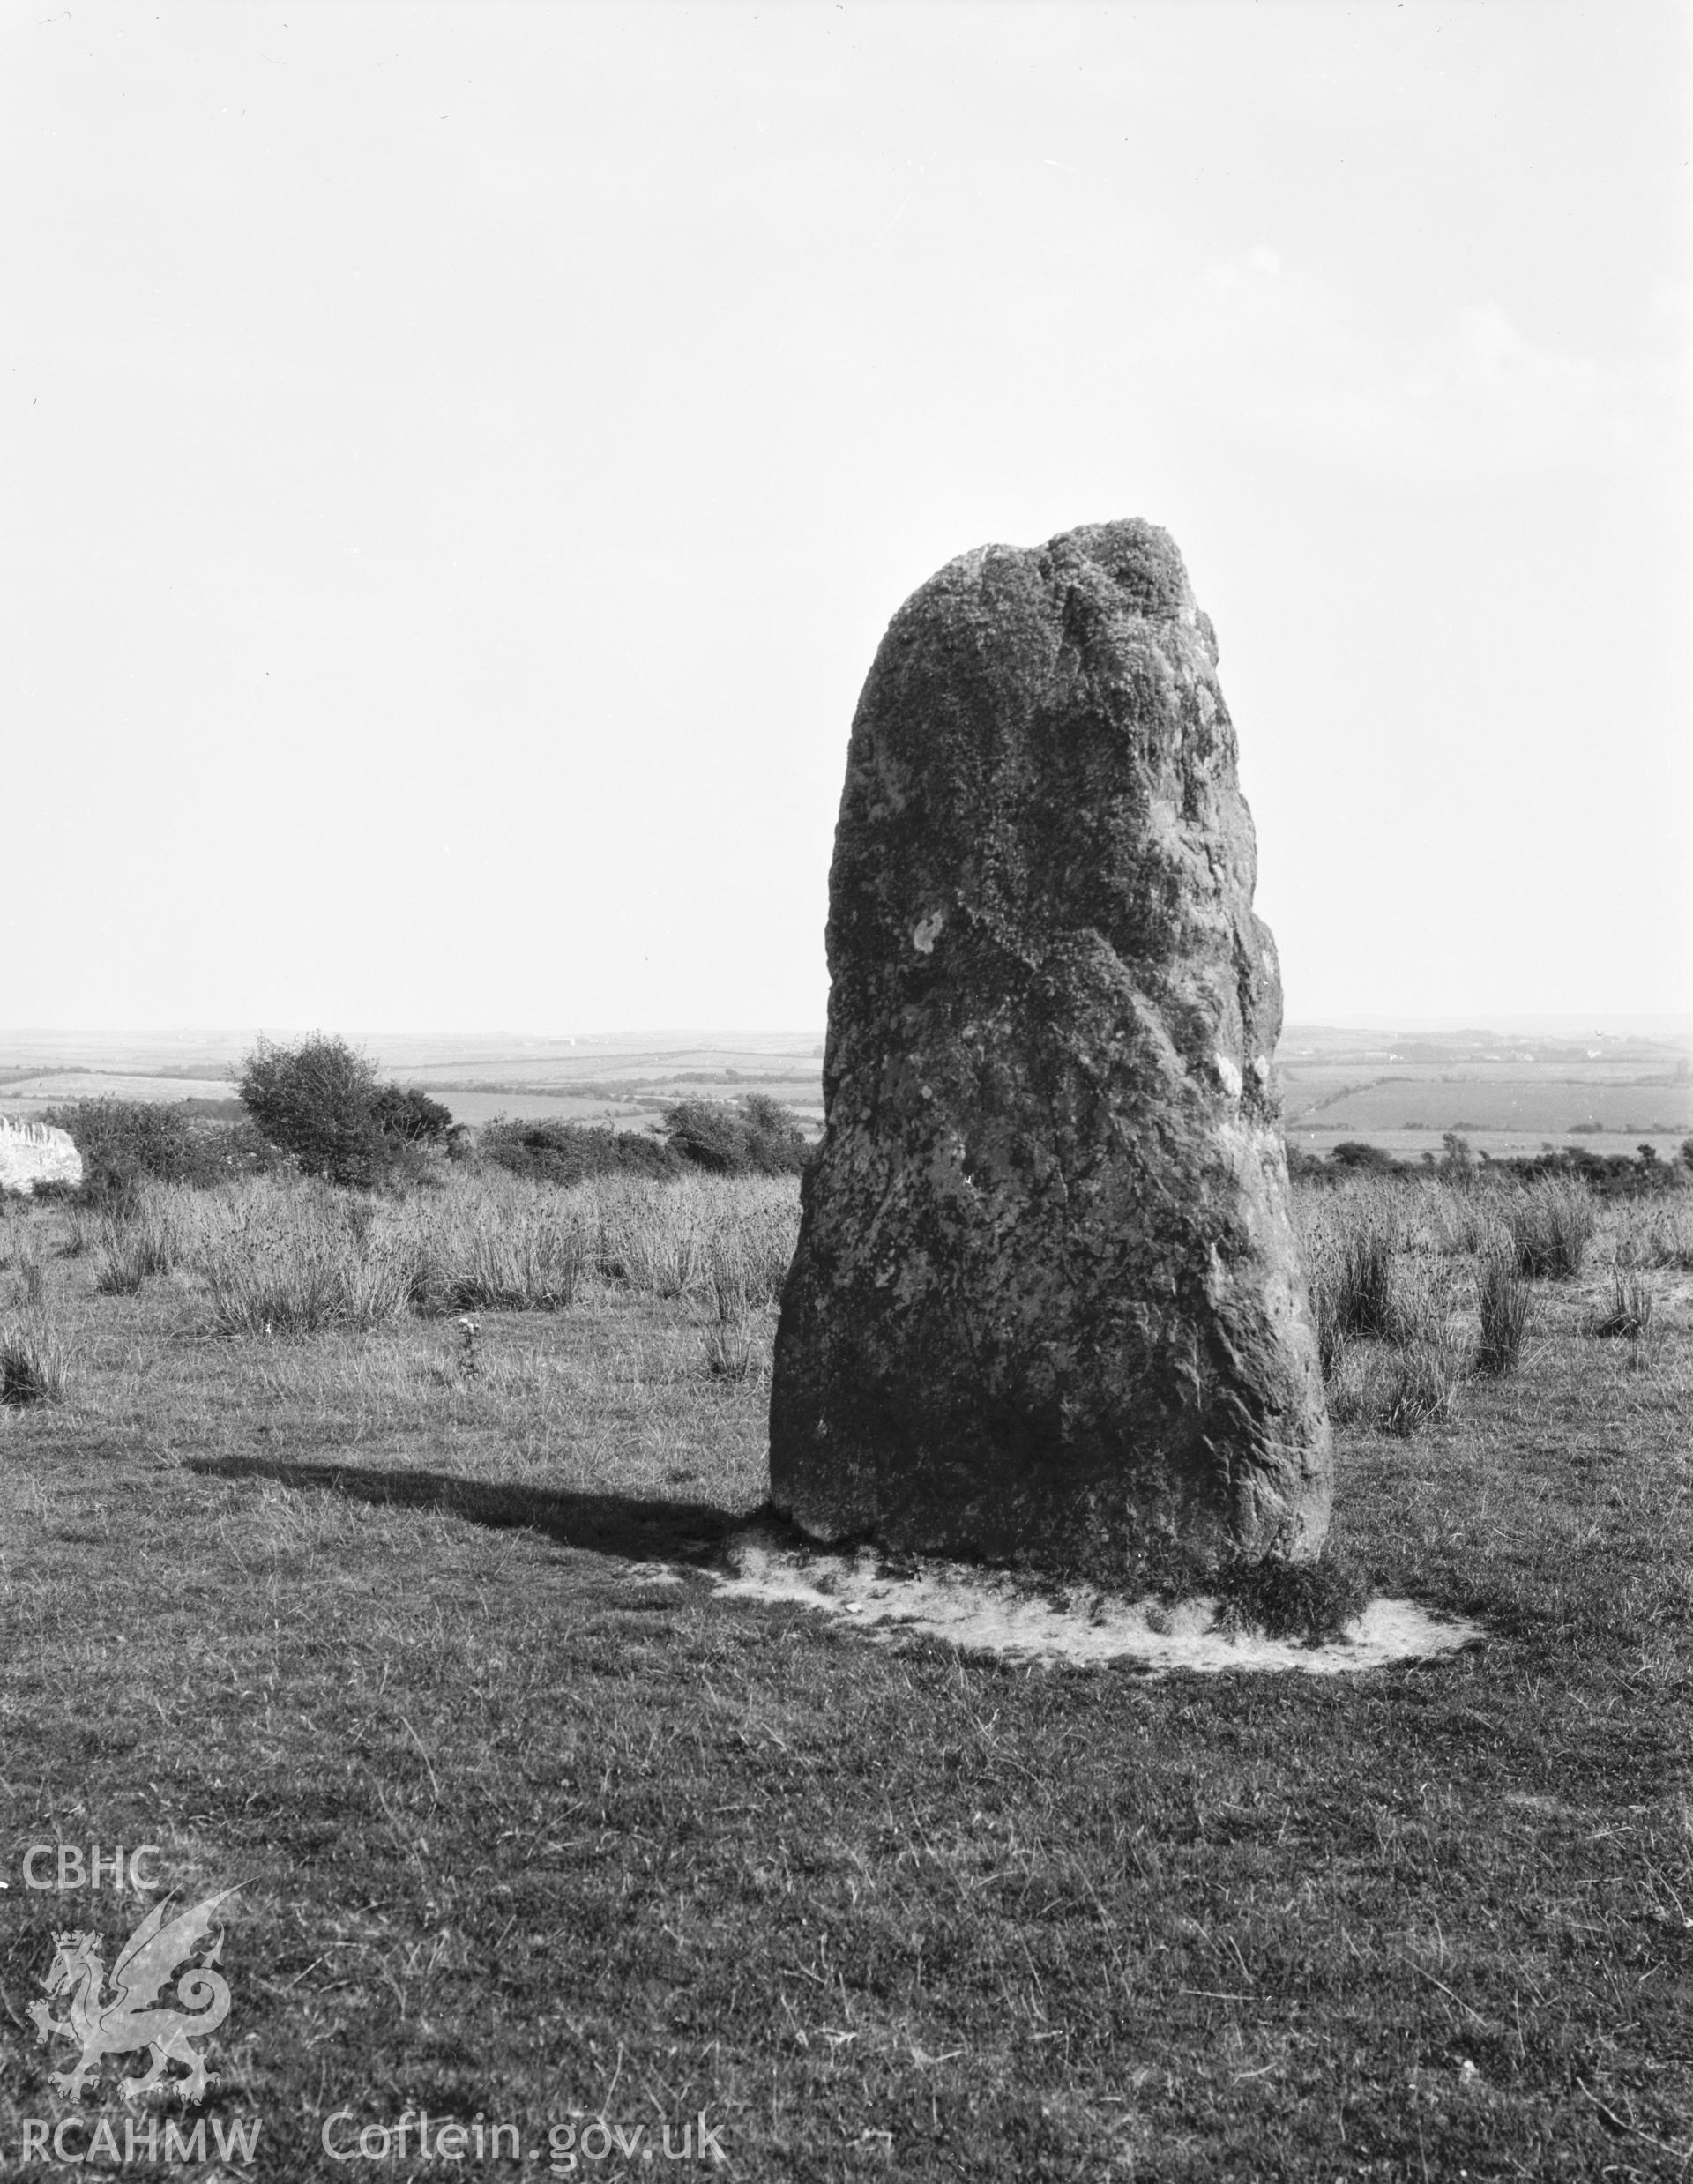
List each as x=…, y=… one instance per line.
x=131, y=2016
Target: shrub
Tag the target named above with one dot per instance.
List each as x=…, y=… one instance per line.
x=570, y=1152
x=1371, y=1158
x=239, y=1148
x=758, y=1137
x=1609, y=1174
x=314, y=1100
x=124, y=1143
x=412, y=1116
x=321, y=1101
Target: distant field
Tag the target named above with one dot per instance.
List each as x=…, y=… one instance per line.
x=24, y=1094
x=1507, y=1094
x=1548, y=1104
x=617, y=1064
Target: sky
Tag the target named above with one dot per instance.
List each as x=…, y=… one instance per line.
x=457, y=463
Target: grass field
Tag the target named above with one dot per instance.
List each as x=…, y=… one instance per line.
x=379, y=1620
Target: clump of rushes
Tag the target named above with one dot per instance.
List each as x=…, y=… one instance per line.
x=131, y=1246
x=729, y=1344
x=32, y=1363
x=534, y=1260
x=1550, y=1227
x=1365, y=1300
x=729, y=1351
x=1628, y=1312
x=1348, y=1383
x=1425, y=1388
x=1352, y=1280
x=1503, y=1299
x=1331, y=1335
x=1418, y=1298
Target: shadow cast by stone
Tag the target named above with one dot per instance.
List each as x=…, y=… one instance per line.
x=629, y=1526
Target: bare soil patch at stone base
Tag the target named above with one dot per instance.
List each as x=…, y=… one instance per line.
x=982, y=1611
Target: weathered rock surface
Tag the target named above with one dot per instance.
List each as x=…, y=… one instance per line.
x=33, y=1153
x=1046, y=1304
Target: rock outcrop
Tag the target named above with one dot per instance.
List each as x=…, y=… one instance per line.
x=1047, y=1305
x=33, y=1153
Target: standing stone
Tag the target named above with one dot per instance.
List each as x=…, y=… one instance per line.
x=35, y=1153
x=1048, y=1305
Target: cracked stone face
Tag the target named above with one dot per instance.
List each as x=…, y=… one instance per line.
x=1047, y=1305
